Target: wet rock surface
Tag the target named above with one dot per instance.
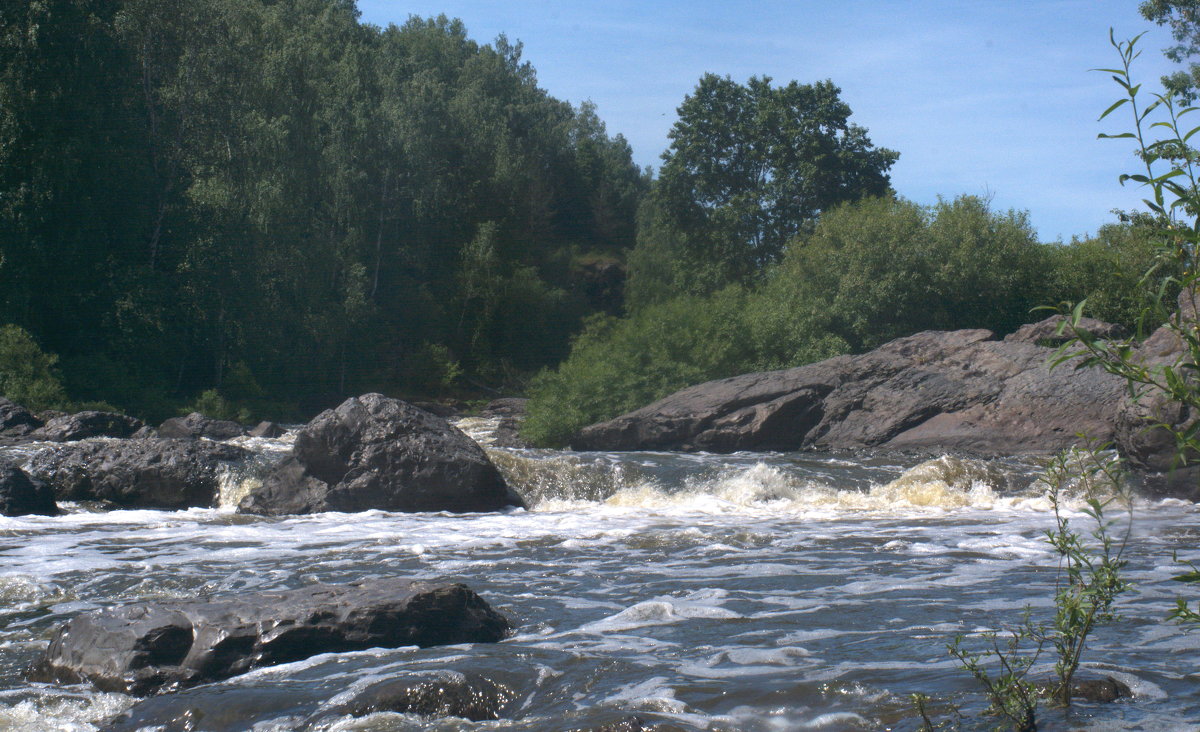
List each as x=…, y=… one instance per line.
x=21, y=495
x=145, y=648
x=510, y=412
x=82, y=425
x=960, y=391
x=373, y=452
x=138, y=473
x=451, y=694
x=197, y=425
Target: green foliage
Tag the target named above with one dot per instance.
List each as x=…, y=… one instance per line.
x=1013, y=697
x=27, y=374
x=1088, y=584
x=617, y=365
x=1089, y=573
x=1110, y=270
x=885, y=267
x=747, y=168
x=211, y=403
x=216, y=184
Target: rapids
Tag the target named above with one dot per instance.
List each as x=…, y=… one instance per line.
x=711, y=592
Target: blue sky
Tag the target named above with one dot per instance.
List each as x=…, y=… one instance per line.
x=987, y=97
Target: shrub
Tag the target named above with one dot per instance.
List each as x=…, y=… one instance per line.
x=27, y=374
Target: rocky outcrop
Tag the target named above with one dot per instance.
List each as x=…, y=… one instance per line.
x=21, y=495
x=150, y=647
x=142, y=473
x=1046, y=332
x=197, y=425
x=15, y=420
x=373, y=452
x=82, y=425
x=959, y=391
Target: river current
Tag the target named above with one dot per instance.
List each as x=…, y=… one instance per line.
x=773, y=591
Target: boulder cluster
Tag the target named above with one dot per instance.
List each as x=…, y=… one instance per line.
x=370, y=453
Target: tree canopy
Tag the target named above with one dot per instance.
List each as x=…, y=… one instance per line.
x=749, y=165
x=272, y=199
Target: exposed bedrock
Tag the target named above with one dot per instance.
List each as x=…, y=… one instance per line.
x=373, y=452
x=149, y=647
x=956, y=391
x=138, y=473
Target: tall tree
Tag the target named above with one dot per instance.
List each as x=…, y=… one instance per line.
x=748, y=166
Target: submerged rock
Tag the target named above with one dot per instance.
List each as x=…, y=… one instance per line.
x=1102, y=689
x=82, y=425
x=197, y=425
x=141, y=473
x=151, y=647
x=449, y=694
x=373, y=452
x=959, y=391
x=21, y=495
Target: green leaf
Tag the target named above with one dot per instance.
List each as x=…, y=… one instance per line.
x=1106, y=136
x=1193, y=576
x=1115, y=106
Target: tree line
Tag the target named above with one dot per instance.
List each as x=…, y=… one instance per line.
x=280, y=203
x=261, y=206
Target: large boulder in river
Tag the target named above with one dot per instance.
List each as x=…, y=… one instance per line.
x=373, y=452
x=149, y=647
x=197, y=425
x=82, y=425
x=959, y=391
x=142, y=473
x=21, y=495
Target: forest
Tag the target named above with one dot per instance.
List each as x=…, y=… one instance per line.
x=258, y=207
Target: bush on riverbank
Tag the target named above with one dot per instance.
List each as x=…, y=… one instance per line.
x=868, y=272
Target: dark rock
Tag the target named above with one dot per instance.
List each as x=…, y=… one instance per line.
x=267, y=429
x=82, y=425
x=510, y=412
x=508, y=407
x=447, y=694
x=1103, y=689
x=149, y=647
x=373, y=452
x=21, y=495
x=197, y=425
x=959, y=391
x=143, y=473
x=1045, y=332
x=15, y=420
x=445, y=411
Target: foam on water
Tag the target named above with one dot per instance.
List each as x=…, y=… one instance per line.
x=750, y=591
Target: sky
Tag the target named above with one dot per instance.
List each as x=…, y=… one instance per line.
x=983, y=97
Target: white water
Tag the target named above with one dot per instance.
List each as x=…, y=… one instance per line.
x=744, y=592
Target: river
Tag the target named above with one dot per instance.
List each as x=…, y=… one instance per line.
x=781, y=591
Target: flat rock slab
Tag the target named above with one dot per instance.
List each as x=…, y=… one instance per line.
x=959, y=391
x=146, y=648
